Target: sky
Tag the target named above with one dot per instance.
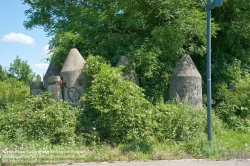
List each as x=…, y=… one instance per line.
x=15, y=40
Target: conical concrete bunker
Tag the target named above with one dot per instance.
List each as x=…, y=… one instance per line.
x=72, y=76
x=53, y=70
x=129, y=75
x=186, y=83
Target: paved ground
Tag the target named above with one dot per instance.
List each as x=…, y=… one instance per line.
x=189, y=162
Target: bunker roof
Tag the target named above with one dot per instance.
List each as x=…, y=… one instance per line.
x=73, y=62
x=186, y=67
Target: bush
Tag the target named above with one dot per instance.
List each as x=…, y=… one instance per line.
x=39, y=118
x=12, y=90
x=179, y=122
x=115, y=110
x=234, y=107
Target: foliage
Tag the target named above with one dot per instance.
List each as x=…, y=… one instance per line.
x=232, y=41
x=231, y=46
x=2, y=73
x=111, y=105
x=38, y=118
x=12, y=90
x=21, y=70
x=234, y=107
x=115, y=109
x=153, y=34
x=64, y=42
x=178, y=122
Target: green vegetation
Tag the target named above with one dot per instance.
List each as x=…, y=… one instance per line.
x=152, y=34
x=2, y=73
x=37, y=152
x=116, y=108
x=112, y=122
x=12, y=90
x=38, y=118
x=21, y=70
x=234, y=105
x=117, y=120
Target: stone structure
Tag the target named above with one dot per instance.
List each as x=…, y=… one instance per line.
x=72, y=76
x=36, y=88
x=54, y=86
x=128, y=75
x=53, y=70
x=186, y=83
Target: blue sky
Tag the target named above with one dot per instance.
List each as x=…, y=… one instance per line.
x=29, y=45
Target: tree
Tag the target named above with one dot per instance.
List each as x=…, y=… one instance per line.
x=38, y=78
x=153, y=34
x=21, y=70
x=231, y=46
x=230, y=63
x=2, y=73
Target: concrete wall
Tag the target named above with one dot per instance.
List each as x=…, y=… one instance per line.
x=52, y=70
x=36, y=88
x=54, y=86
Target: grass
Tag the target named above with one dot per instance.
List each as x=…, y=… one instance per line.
x=226, y=145
x=235, y=145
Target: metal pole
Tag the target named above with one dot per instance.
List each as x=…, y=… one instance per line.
x=209, y=92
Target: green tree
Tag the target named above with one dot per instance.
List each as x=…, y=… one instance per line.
x=21, y=70
x=12, y=90
x=231, y=46
x=154, y=34
x=38, y=78
x=230, y=63
x=2, y=73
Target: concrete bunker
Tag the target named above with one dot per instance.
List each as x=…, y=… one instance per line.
x=72, y=76
x=186, y=83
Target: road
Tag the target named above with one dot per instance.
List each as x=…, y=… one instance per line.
x=189, y=162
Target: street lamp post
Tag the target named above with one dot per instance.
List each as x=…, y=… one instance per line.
x=210, y=6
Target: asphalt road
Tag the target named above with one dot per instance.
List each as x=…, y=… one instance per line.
x=189, y=162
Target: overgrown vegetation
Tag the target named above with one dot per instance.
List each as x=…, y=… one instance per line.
x=38, y=118
x=12, y=90
x=117, y=120
x=113, y=122
x=154, y=35
x=114, y=107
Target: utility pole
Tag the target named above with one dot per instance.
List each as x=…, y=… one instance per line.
x=210, y=6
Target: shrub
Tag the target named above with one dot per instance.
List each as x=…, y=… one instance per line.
x=12, y=90
x=179, y=122
x=39, y=118
x=114, y=109
x=234, y=105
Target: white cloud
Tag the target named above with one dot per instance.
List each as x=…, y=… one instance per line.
x=42, y=65
x=19, y=37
